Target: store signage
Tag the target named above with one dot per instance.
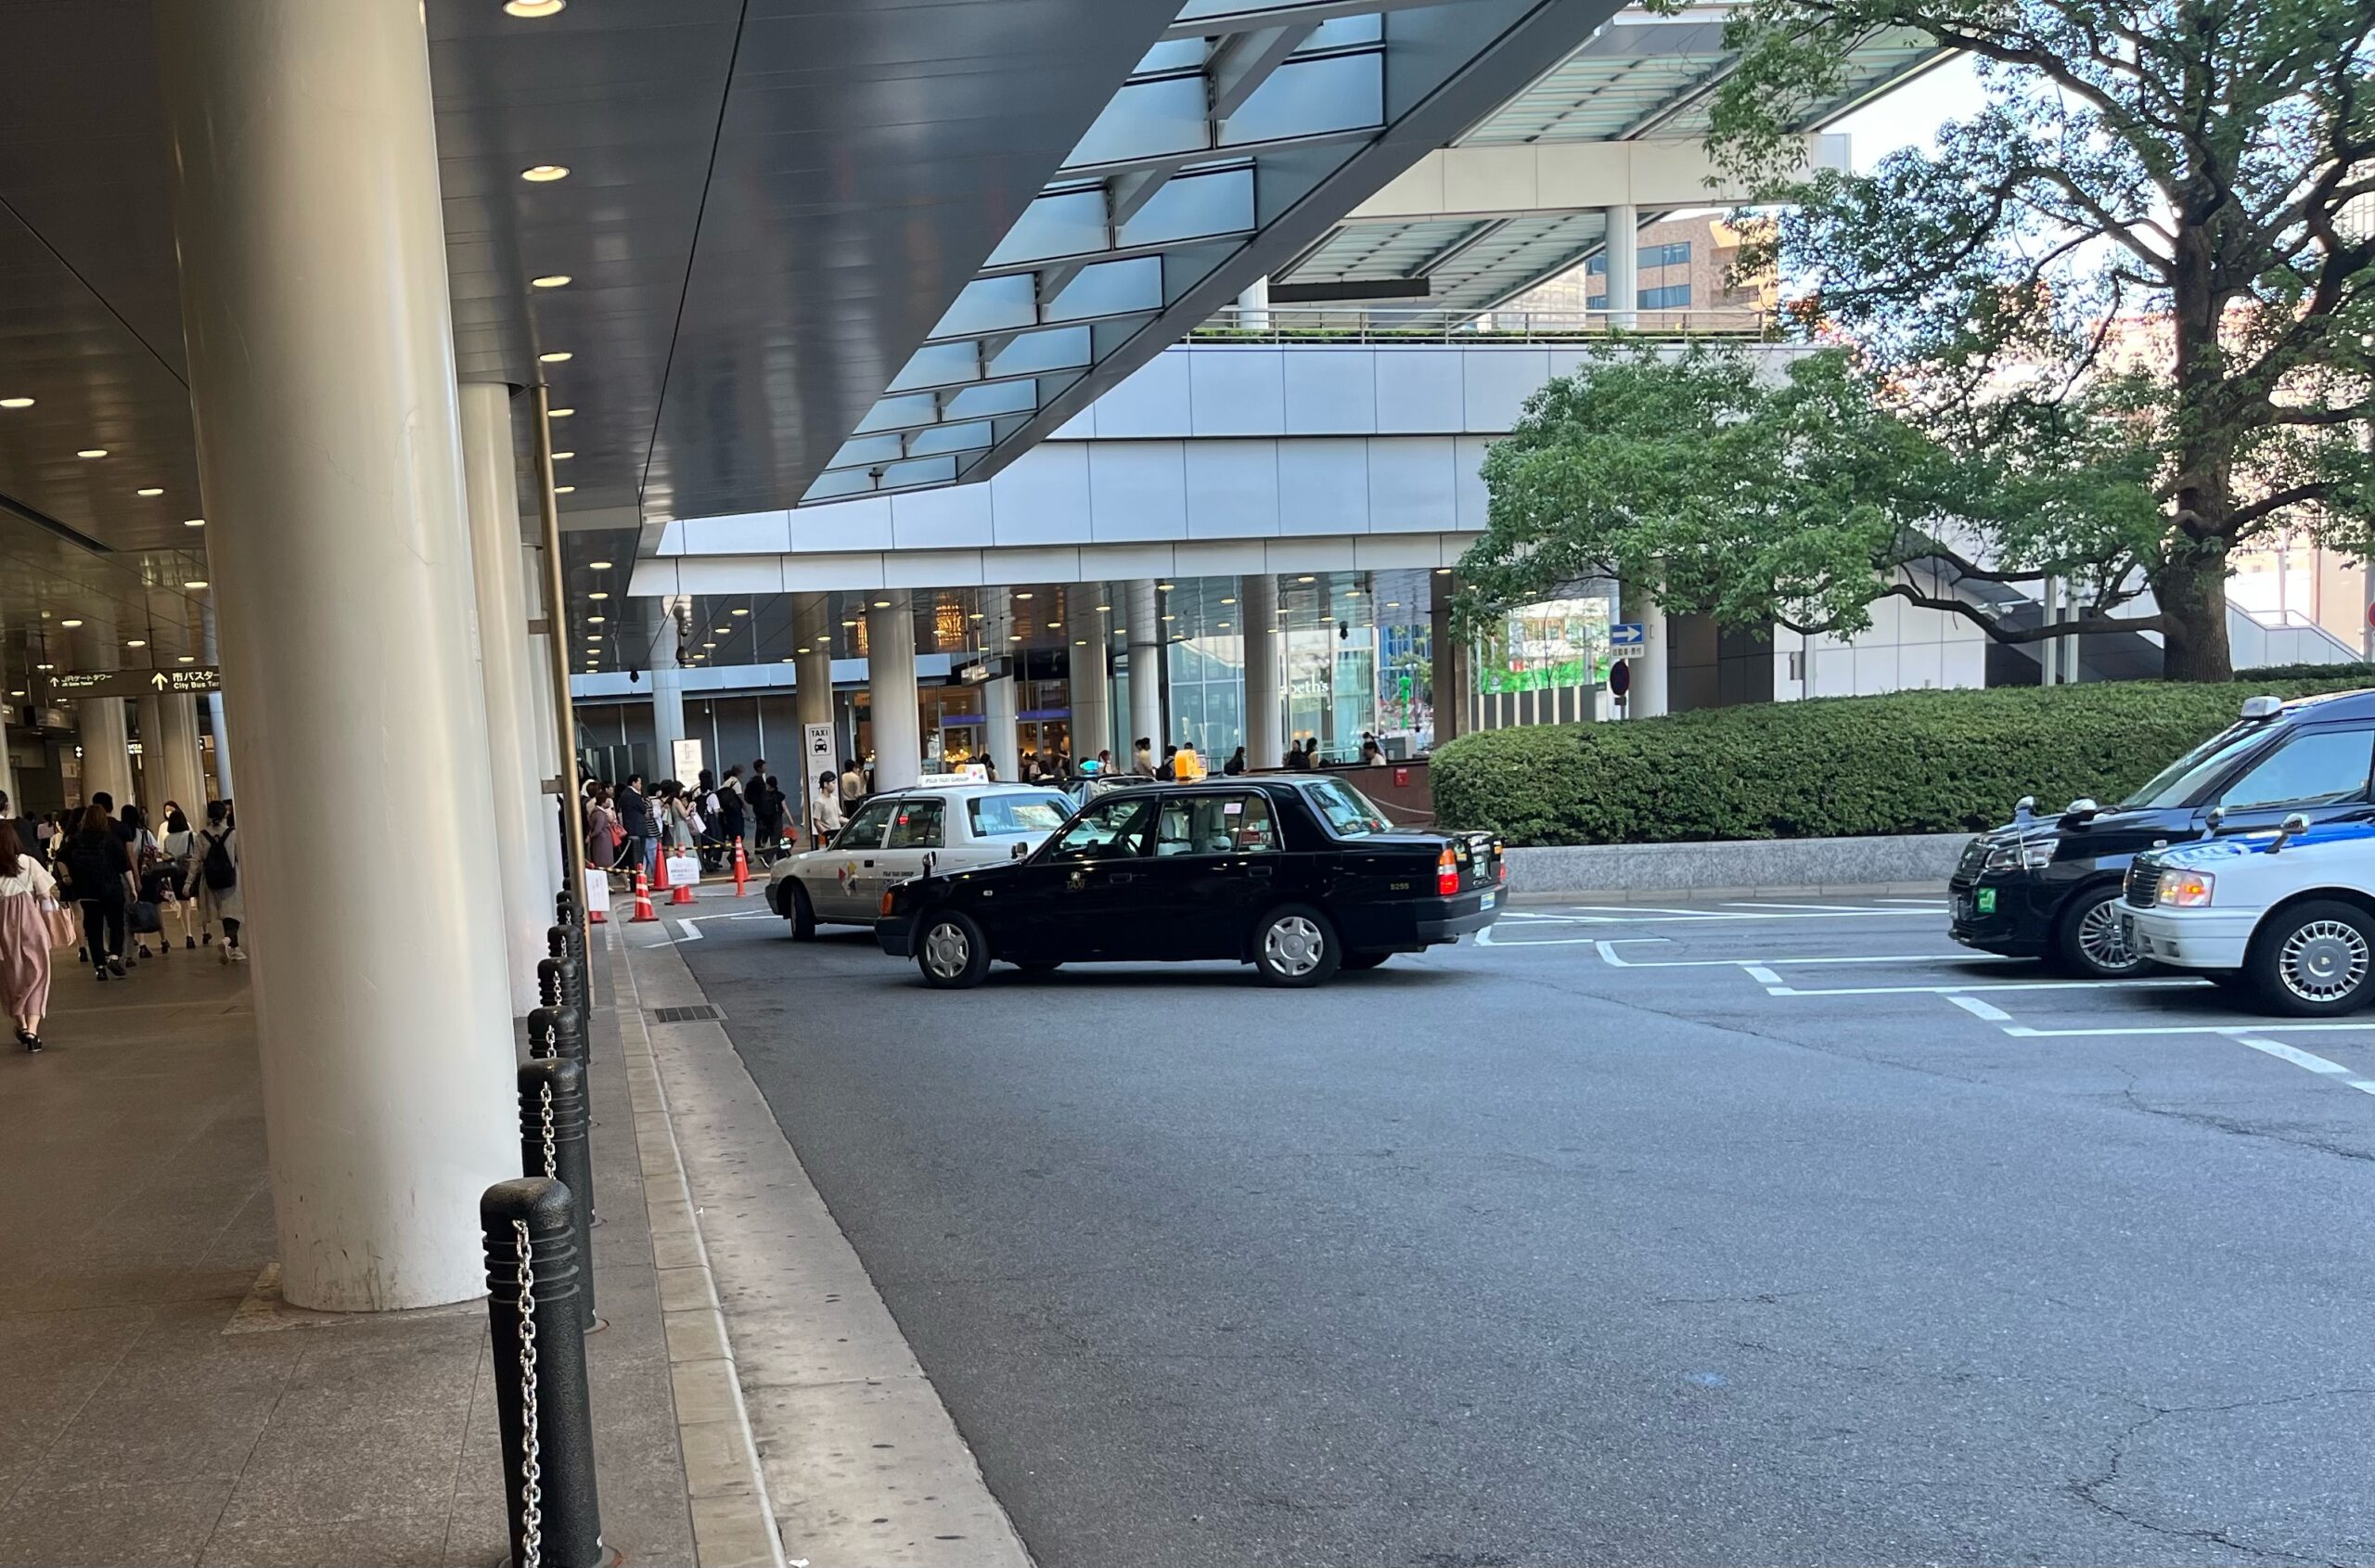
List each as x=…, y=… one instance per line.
x=132, y=682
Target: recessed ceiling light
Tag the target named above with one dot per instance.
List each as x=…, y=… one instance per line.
x=600, y=565
x=535, y=7
x=550, y=280
x=708, y=644
x=883, y=604
x=1121, y=631
x=597, y=596
x=92, y=452
x=193, y=523
x=544, y=174
x=1303, y=579
x=149, y=490
x=16, y=403
x=1014, y=639
x=563, y=457
x=1393, y=604
x=1228, y=602
x=1055, y=625
x=739, y=611
x=849, y=622
x=558, y=356
x=136, y=642
x=725, y=631
x=1080, y=642
x=1162, y=587
x=1224, y=625
x=187, y=658
x=1443, y=571
x=195, y=583
x=1025, y=595
x=1104, y=606
x=564, y=490
x=44, y=666
x=593, y=620
x=70, y=625
x=1171, y=617
x=559, y=413
x=801, y=651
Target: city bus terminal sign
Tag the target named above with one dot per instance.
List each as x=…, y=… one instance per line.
x=198, y=678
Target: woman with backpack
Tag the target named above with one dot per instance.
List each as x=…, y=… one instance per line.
x=28, y=897
x=215, y=883
x=181, y=859
x=98, y=872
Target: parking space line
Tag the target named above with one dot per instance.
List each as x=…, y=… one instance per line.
x=2309, y=1060
x=2024, y=1032
x=1762, y=975
x=1826, y=908
x=1607, y=947
x=1977, y=985
x=1978, y=1008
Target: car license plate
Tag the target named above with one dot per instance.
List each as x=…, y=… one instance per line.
x=1486, y=901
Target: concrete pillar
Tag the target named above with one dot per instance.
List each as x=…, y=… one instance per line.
x=152, y=789
x=184, y=782
x=1254, y=306
x=544, y=740
x=517, y=809
x=320, y=350
x=812, y=629
x=998, y=697
x=1265, y=707
x=1144, y=607
x=1623, y=250
x=890, y=690
x=1446, y=669
x=1647, y=697
x=99, y=724
x=667, y=697
x=1091, y=685
x=220, y=729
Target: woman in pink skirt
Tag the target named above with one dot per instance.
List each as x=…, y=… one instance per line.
x=27, y=894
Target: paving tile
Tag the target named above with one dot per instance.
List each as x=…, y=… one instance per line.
x=104, y=1526
x=382, y=1542
x=733, y=1533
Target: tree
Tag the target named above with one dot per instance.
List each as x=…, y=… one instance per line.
x=2158, y=235
x=1796, y=499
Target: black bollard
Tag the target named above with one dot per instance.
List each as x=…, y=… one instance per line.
x=557, y=942
x=553, y=1142
x=558, y=984
x=543, y=1040
x=543, y=1408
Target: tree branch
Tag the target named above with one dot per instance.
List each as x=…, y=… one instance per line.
x=2014, y=634
x=2276, y=501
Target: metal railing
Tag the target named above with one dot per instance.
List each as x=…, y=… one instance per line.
x=1425, y=323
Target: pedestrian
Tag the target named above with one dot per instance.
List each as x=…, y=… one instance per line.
x=99, y=871
x=1142, y=757
x=853, y=784
x=603, y=838
x=1168, y=771
x=1372, y=754
x=216, y=880
x=766, y=810
x=1236, y=763
x=181, y=858
x=825, y=809
x=1296, y=761
x=151, y=880
x=635, y=821
x=990, y=765
x=28, y=900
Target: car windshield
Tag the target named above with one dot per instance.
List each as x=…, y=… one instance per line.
x=2179, y=783
x=1348, y=813
x=1001, y=816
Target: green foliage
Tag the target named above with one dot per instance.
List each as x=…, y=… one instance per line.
x=2263, y=675
x=2142, y=247
x=1912, y=762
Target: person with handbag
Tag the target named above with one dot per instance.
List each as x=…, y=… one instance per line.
x=98, y=872
x=216, y=881
x=152, y=884
x=181, y=859
x=31, y=924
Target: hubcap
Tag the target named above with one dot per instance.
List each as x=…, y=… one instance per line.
x=1293, y=946
x=2100, y=939
x=946, y=950
x=2323, y=960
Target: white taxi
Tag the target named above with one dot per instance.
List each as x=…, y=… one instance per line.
x=936, y=826
x=2291, y=914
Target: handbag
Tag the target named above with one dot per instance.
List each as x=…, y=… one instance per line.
x=144, y=919
x=64, y=931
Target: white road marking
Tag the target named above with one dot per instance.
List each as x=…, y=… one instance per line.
x=1825, y=908
x=1978, y=1008
x=1608, y=945
x=1762, y=975
x=1976, y=986
x=2309, y=1060
x=2023, y=1032
x=1663, y=920
x=692, y=932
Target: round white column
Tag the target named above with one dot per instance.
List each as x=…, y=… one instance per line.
x=217, y=726
x=1091, y=686
x=667, y=698
x=998, y=704
x=151, y=728
x=488, y=470
x=321, y=374
x=1624, y=272
x=890, y=690
x=1144, y=628
x=177, y=736
x=811, y=695
x=542, y=748
x=1647, y=697
x=99, y=724
x=1265, y=711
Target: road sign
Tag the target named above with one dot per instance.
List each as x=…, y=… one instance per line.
x=133, y=683
x=1623, y=651
x=1624, y=635
x=1619, y=680
x=819, y=739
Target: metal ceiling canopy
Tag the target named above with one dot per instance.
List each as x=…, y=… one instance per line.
x=1238, y=138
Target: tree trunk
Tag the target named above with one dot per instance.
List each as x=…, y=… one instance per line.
x=2192, y=594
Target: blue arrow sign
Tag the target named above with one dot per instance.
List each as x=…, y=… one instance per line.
x=1625, y=634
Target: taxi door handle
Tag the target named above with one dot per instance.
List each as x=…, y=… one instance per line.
x=1123, y=877
x=1257, y=871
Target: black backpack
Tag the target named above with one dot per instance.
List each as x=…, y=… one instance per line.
x=216, y=866
x=88, y=866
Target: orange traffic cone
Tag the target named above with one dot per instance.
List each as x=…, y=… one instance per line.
x=644, y=913
x=741, y=871
x=659, y=865
x=682, y=892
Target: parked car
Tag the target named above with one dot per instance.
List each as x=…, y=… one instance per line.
x=904, y=833
x=1298, y=876
x=2051, y=887
x=2289, y=915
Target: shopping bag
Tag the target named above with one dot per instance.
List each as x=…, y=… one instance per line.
x=65, y=930
x=144, y=919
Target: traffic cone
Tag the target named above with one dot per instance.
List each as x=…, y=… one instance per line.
x=644, y=913
x=681, y=894
x=741, y=873
x=660, y=864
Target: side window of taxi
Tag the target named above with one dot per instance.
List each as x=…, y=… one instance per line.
x=1229, y=824
x=917, y=826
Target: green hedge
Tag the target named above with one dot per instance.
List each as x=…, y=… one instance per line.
x=2320, y=673
x=1911, y=762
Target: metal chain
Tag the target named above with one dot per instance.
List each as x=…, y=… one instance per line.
x=552, y=1167
x=531, y=1473
x=545, y=1045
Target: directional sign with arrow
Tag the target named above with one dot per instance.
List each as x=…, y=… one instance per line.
x=198, y=679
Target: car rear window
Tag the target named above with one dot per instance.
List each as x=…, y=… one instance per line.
x=1000, y=815
x=1348, y=813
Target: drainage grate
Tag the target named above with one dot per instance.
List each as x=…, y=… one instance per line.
x=702, y=1015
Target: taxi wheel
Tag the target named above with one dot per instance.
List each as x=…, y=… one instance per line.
x=2088, y=941
x=951, y=951
x=2314, y=959
x=1355, y=962
x=1295, y=944
x=799, y=911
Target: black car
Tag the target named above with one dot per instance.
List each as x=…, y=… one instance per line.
x=1298, y=876
x=2049, y=888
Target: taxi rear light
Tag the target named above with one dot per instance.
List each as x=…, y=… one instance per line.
x=1447, y=873
x=1504, y=872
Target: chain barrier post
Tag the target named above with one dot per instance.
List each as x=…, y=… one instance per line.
x=542, y=1038
x=543, y=1406
x=552, y=1143
x=553, y=985
x=561, y=946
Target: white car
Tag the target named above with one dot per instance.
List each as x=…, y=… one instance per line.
x=2289, y=914
x=901, y=834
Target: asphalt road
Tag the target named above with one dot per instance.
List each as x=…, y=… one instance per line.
x=1756, y=1235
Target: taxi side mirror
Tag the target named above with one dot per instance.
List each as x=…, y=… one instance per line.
x=2210, y=823
x=2296, y=823
x=1020, y=850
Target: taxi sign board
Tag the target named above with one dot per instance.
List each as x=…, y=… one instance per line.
x=972, y=773
x=197, y=678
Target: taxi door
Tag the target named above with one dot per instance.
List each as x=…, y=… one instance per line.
x=1213, y=867
x=913, y=844
x=837, y=885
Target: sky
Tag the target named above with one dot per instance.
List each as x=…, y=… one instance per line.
x=1910, y=116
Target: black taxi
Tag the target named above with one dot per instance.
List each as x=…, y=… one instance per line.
x=2049, y=887
x=1300, y=876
